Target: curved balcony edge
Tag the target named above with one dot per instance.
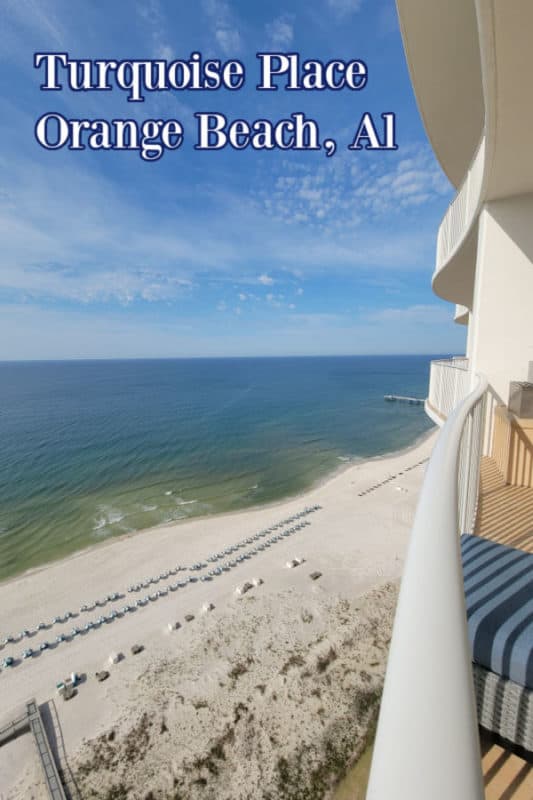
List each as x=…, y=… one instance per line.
x=433, y=414
x=453, y=278
x=427, y=742
x=461, y=315
x=449, y=384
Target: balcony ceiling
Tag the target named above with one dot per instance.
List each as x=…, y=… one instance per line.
x=441, y=45
x=505, y=35
x=471, y=64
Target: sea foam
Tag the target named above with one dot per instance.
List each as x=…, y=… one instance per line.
x=108, y=516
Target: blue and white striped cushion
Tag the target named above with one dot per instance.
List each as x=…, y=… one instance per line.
x=499, y=602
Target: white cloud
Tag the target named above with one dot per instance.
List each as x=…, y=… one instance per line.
x=317, y=318
x=116, y=248
x=321, y=196
x=276, y=300
x=299, y=291
x=165, y=51
x=415, y=314
x=223, y=26
x=229, y=40
x=414, y=180
x=112, y=286
x=343, y=8
x=111, y=249
x=280, y=32
x=153, y=19
x=342, y=193
x=242, y=296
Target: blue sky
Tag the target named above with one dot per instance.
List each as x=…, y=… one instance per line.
x=227, y=253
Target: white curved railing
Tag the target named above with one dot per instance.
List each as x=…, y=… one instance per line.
x=449, y=383
x=461, y=211
x=427, y=745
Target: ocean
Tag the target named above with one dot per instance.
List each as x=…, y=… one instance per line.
x=95, y=449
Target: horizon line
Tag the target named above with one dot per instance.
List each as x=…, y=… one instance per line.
x=216, y=357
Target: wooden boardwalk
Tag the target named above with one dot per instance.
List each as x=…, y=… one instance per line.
x=46, y=757
x=14, y=728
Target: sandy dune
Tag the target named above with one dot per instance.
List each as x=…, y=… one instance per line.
x=263, y=696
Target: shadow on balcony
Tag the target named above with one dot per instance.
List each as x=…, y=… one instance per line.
x=505, y=506
x=506, y=775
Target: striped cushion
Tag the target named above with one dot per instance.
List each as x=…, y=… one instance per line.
x=499, y=602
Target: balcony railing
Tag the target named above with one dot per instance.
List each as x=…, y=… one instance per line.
x=449, y=383
x=427, y=743
x=461, y=211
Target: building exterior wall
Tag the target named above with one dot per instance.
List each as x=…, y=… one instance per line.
x=500, y=341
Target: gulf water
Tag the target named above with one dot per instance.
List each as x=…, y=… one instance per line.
x=95, y=449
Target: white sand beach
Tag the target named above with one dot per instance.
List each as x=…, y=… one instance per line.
x=260, y=696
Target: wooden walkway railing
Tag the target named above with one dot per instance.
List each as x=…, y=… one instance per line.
x=14, y=728
x=51, y=775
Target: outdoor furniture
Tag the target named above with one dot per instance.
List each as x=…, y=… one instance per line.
x=499, y=600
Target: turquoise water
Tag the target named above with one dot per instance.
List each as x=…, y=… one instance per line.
x=97, y=449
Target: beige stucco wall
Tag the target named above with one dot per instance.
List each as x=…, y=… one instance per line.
x=500, y=342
